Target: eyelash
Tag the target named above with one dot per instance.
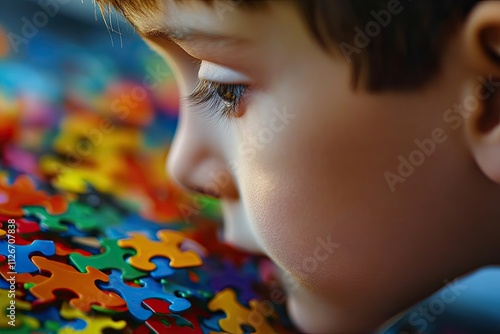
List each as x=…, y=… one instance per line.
x=218, y=99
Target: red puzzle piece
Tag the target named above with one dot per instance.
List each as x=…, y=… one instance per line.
x=64, y=249
x=162, y=314
x=23, y=225
x=23, y=193
x=65, y=277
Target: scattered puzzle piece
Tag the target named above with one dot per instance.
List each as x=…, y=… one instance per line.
x=64, y=249
x=23, y=193
x=75, y=179
x=185, y=292
x=22, y=253
x=212, y=324
x=95, y=324
x=167, y=247
x=135, y=295
x=187, y=323
x=237, y=314
x=23, y=225
x=21, y=279
x=143, y=329
x=85, y=218
x=162, y=268
x=65, y=277
x=113, y=257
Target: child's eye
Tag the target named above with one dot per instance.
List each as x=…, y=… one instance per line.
x=219, y=99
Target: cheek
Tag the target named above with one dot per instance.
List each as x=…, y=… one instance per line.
x=318, y=200
x=304, y=189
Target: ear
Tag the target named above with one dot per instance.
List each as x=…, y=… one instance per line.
x=482, y=96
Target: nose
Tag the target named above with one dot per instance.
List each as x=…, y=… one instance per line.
x=197, y=160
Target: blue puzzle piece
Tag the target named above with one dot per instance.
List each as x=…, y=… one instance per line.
x=162, y=268
x=134, y=295
x=4, y=285
x=185, y=292
x=212, y=324
x=23, y=252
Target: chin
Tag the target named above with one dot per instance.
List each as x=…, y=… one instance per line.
x=313, y=315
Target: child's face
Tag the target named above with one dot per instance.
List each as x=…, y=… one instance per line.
x=301, y=168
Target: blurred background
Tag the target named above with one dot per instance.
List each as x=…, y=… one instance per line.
x=84, y=102
x=77, y=96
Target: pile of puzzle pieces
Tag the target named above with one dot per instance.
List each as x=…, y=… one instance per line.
x=70, y=265
x=94, y=238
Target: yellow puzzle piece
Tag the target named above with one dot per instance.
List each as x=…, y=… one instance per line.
x=168, y=247
x=95, y=324
x=237, y=314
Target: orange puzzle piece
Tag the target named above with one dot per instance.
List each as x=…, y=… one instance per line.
x=23, y=193
x=237, y=314
x=65, y=277
x=167, y=247
x=22, y=279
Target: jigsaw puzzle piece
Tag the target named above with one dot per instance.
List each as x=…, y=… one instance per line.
x=21, y=279
x=22, y=192
x=185, y=292
x=187, y=323
x=23, y=225
x=93, y=324
x=75, y=180
x=162, y=268
x=64, y=248
x=83, y=217
x=112, y=257
x=4, y=284
x=143, y=329
x=212, y=324
x=168, y=247
x=22, y=253
x=65, y=277
x=135, y=295
x=238, y=315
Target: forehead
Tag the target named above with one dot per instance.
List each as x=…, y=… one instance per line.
x=179, y=15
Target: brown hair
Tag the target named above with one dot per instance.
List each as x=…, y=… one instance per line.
x=390, y=44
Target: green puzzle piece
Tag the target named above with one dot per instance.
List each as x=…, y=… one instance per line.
x=113, y=257
x=82, y=216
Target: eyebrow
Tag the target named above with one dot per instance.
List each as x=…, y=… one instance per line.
x=176, y=34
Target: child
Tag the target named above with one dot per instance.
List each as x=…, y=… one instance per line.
x=356, y=143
